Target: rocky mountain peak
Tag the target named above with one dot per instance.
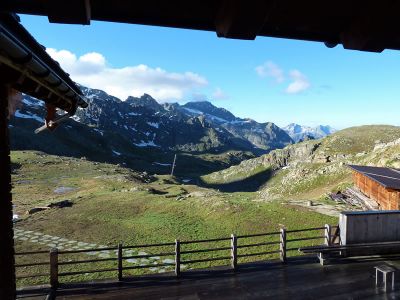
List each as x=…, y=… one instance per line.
x=97, y=95
x=145, y=100
x=300, y=133
x=207, y=108
x=293, y=128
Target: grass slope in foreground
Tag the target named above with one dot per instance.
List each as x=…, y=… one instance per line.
x=113, y=204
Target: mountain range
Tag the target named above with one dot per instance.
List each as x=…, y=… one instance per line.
x=300, y=133
x=193, y=127
x=140, y=128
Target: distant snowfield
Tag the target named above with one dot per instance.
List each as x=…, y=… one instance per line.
x=18, y=114
x=32, y=103
x=153, y=124
x=161, y=164
x=146, y=144
x=198, y=112
x=133, y=114
x=116, y=152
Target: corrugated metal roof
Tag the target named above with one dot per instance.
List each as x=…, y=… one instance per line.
x=28, y=68
x=387, y=177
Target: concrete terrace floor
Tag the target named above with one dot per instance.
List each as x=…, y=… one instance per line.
x=300, y=278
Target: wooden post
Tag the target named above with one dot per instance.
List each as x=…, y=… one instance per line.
x=173, y=166
x=120, y=262
x=328, y=235
x=234, y=251
x=283, y=245
x=7, y=262
x=54, y=268
x=177, y=258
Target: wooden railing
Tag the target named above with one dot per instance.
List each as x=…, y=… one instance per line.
x=229, y=249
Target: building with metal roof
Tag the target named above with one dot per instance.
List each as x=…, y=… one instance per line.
x=378, y=183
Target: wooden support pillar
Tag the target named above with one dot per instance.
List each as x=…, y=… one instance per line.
x=328, y=240
x=177, y=258
x=283, y=245
x=54, y=268
x=120, y=266
x=234, y=252
x=7, y=262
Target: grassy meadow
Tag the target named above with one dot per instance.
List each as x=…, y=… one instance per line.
x=112, y=204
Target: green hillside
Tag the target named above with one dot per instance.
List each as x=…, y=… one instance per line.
x=308, y=170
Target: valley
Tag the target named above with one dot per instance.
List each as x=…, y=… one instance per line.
x=111, y=203
x=232, y=176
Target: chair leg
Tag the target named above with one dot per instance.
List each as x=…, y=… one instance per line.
x=384, y=279
x=393, y=281
x=376, y=276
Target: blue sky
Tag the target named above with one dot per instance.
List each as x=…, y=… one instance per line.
x=268, y=79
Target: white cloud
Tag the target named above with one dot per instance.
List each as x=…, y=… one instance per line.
x=270, y=69
x=199, y=97
x=219, y=94
x=299, y=82
x=92, y=70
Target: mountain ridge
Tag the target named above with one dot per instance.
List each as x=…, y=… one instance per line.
x=140, y=129
x=301, y=133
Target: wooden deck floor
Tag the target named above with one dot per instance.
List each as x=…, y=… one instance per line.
x=299, y=279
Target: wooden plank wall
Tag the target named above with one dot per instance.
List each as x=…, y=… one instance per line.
x=387, y=199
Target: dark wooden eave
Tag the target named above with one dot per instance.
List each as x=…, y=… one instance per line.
x=356, y=24
x=26, y=66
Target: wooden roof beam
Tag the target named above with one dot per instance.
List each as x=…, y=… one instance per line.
x=375, y=24
x=69, y=12
x=242, y=20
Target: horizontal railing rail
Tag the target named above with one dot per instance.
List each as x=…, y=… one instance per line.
x=149, y=255
x=147, y=245
x=86, y=261
x=305, y=229
x=88, y=250
x=205, y=260
x=205, y=250
x=306, y=238
x=264, y=247
x=149, y=266
x=87, y=272
x=205, y=241
x=259, y=253
x=41, y=263
x=258, y=244
x=258, y=234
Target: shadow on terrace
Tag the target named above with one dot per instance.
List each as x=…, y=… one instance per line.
x=300, y=278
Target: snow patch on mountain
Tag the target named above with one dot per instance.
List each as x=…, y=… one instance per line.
x=19, y=114
x=153, y=124
x=146, y=144
x=300, y=133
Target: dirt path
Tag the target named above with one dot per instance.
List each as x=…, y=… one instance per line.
x=326, y=209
